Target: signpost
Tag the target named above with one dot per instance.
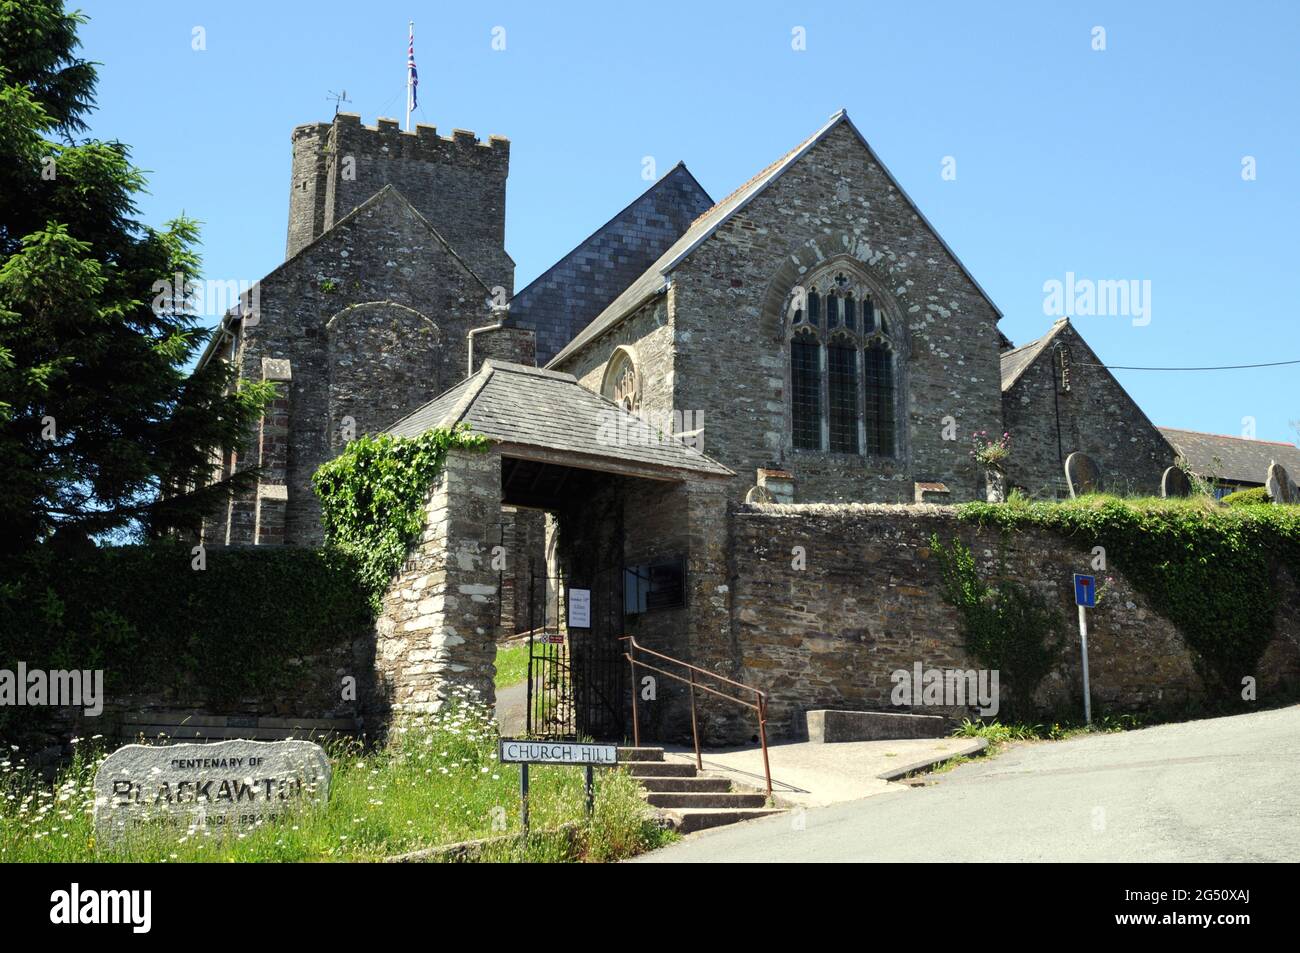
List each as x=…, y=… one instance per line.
x=524, y=752
x=1085, y=596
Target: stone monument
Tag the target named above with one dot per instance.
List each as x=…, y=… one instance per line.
x=226, y=786
x=1083, y=474
x=1174, y=482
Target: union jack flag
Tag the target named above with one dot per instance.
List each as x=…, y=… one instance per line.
x=413, y=78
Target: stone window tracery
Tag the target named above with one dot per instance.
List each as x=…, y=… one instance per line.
x=622, y=383
x=843, y=374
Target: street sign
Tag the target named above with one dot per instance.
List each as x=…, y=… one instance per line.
x=523, y=752
x=579, y=608
x=1085, y=597
x=1085, y=590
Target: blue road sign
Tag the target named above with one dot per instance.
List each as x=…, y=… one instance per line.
x=1085, y=590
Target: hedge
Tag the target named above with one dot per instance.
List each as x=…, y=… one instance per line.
x=149, y=619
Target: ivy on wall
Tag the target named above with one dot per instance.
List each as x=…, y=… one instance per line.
x=372, y=497
x=155, y=623
x=1211, y=570
x=1006, y=626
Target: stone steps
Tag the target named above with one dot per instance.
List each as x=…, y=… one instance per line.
x=705, y=799
x=685, y=798
x=683, y=784
x=640, y=754
x=690, y=821
x=666, y=769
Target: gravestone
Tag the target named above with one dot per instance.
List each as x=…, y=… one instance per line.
x=1278, y=482
x=1175, y=483
x=1083, y=474
x=224, y=787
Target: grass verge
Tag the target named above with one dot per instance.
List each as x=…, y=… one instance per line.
x=512, y=664
x=436, y=782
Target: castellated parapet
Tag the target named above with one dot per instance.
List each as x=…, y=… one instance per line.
x=458, y=183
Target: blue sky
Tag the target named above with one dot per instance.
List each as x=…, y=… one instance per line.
x=1123, y=163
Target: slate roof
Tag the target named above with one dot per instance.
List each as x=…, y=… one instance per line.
x=1235, y=459
x=1016, y=361
x=531, y=407
x=563, y=300
x=655, y=279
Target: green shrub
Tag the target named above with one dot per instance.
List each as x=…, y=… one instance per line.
x=1253, y=497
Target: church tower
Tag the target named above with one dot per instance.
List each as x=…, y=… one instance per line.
x=457, y=183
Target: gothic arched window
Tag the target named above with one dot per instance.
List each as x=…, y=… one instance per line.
x=622, y=383
x=806, y=391
x=843, y=378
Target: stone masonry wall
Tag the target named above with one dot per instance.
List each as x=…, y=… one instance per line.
x=1096, y=417
x=731, y=359
x=180, y=711
x=372, y=322
x=649, y=334
x=435, y=635
x=869, y=602
x=457, y=183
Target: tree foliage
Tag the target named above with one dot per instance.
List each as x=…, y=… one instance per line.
x=101, y=424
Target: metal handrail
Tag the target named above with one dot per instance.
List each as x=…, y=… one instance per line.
x=759, y=705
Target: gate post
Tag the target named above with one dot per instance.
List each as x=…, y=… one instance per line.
x=438, y=627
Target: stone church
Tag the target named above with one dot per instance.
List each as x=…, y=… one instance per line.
x=812, y=330
x=655, y=400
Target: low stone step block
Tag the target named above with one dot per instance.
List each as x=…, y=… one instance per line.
x=685, y=784
x=829, y=726
x=689, y=821
x=690, y=799
x=640, y=754
x=661, y=769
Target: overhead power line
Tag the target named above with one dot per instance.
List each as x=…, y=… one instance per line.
x=1221, y=367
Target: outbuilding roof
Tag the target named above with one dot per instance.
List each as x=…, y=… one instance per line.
x=1235, y=459
x=1017, y=360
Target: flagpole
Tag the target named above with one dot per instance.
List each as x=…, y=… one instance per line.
x=408, y=79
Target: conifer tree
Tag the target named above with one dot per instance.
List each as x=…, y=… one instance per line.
x=103, y=429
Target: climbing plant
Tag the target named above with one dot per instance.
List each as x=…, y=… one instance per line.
x=1006, y=626
x=1211, y=570
x=372, y=496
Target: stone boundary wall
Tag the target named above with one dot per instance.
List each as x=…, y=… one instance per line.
x=869, y=602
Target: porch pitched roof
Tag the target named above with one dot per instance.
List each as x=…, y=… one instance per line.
x=531, y=408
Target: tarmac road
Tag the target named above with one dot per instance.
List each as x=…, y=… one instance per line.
x=1221, y=789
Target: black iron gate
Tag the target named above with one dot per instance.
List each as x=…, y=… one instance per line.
x=577, y=675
